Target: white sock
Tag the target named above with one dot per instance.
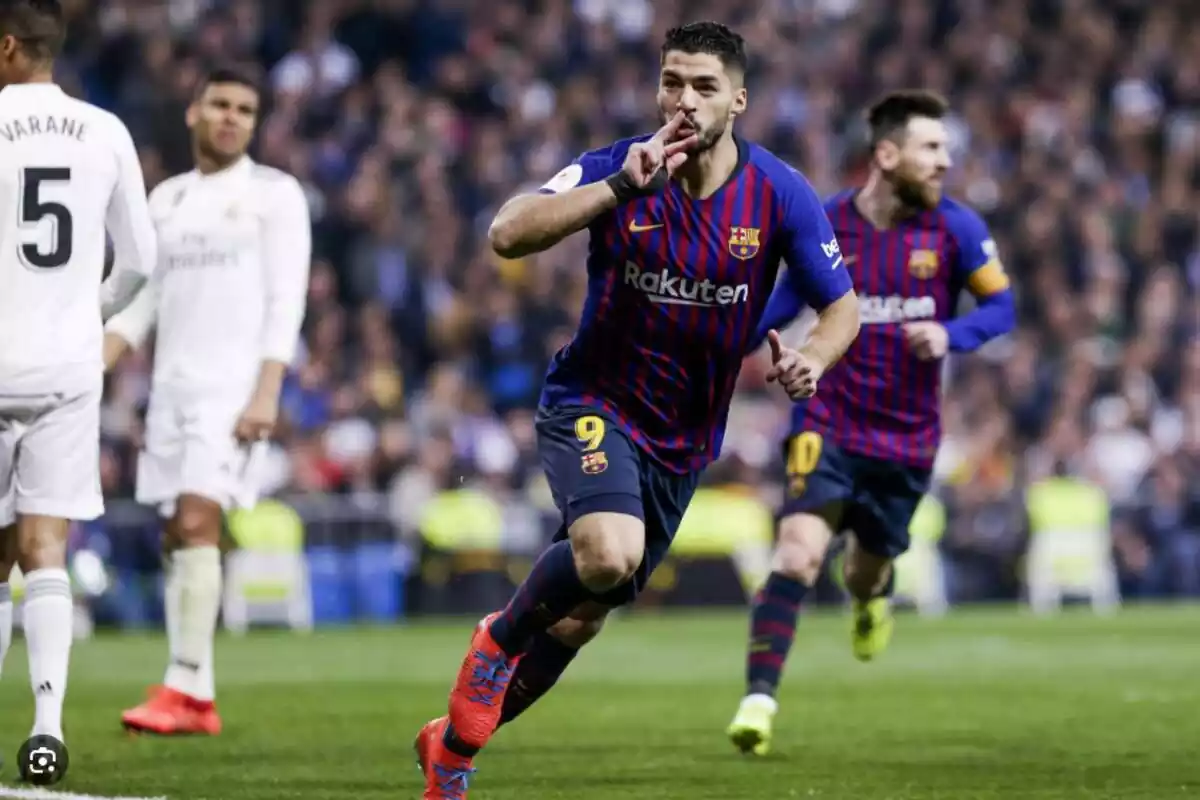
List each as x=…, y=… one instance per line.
x=172, y=591
x=6, y=612
x=761, y=701
x=195, y=584
x=48, y=614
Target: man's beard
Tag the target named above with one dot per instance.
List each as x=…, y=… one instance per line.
x=708, y=138
x=915, y=194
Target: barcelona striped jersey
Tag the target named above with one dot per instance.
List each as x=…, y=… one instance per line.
x=676, y=288
x=880, y=400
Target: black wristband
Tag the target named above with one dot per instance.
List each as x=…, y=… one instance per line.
x=625, y=189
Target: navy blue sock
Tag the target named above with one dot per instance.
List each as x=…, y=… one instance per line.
x=540, y=668
x=549, y=593
x=772, y=628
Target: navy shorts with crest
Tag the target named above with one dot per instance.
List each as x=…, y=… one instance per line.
x=873, y=497
x=592, y=465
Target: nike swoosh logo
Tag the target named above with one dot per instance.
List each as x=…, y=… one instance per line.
x=635, y=228
x=850, y=260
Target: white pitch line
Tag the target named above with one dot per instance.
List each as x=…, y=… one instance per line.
x=47, y=794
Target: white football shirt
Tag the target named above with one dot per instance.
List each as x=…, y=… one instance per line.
x=68, y=171
x=234, y=249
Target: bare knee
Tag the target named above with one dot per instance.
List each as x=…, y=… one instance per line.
x=583, y=625
x=866, y=574
x=608, y=549
x=803, y=541
x=197, y=522
x=41, y=542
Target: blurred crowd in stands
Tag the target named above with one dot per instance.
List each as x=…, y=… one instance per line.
x=1076, y=133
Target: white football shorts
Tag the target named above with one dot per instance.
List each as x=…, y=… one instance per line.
x=190, y=449
x=50, y=455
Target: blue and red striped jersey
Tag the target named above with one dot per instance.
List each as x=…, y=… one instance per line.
x=880, y=400
x=676, y=287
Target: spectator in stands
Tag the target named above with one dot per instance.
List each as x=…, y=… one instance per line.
x=1076, y=132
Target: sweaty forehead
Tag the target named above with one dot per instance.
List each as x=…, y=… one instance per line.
x=691, y=66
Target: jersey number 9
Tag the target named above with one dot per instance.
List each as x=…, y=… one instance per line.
x=34, y=210
x=589, y=431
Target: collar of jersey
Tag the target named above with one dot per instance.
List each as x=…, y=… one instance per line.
x=743, y=149
x=28, y=87
x=236, y=168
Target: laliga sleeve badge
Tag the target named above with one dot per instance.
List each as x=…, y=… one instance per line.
x=43, y=760
x=568, y=178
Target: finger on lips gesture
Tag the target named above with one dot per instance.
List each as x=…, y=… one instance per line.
x=668, y=135
x=665, y=148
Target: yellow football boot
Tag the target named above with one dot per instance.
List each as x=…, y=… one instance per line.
x=872, y=630
x=750, y=730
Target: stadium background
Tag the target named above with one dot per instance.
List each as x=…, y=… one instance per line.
x=1076, y=133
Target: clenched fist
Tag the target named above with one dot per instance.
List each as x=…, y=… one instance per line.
x=929, y=341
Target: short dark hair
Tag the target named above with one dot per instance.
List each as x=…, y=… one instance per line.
x=890, y=114
x=227, y=74
x=39, y=25
x=712, y=38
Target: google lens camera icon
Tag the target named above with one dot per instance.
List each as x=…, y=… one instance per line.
x=42, y=760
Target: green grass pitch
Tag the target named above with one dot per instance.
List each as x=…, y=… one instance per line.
x=980, y=705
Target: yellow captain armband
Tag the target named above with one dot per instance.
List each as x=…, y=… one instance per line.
x=989, y=279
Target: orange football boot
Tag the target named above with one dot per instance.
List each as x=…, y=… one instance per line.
x=168, y=712
x=477, y=698
x=446, y=774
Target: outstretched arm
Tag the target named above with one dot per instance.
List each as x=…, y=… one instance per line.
x=591, y=186
x=531, y=223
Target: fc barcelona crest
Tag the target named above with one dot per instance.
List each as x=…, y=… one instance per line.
x=743, y=242
x=923, y=264
x=593, y=463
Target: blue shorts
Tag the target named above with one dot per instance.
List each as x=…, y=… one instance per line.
x=873, y=497
x=592, y=465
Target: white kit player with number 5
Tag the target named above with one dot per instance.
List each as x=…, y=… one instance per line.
x=227, y=303
x=68, y=173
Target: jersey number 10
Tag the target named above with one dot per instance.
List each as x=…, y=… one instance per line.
x=34, y=209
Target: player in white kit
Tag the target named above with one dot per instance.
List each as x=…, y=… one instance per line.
x=228, y=301
x=68, y=172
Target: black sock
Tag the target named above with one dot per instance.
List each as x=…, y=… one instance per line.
x=456, y=745
x=542, y=665
x=550, y=592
